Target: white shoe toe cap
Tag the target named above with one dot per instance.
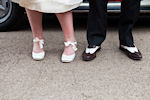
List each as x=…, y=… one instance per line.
x=38, y=56
x=67, y=58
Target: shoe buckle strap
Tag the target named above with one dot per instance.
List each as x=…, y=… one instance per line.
x=41, y=42
x=73, y=45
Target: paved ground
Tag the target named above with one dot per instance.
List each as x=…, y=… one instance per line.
x=112, y=76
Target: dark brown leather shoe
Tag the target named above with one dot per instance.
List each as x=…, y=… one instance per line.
x=132, y=52
x=90, y=52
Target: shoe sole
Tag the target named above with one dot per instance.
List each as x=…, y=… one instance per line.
x=66, y=61
x=37, y=59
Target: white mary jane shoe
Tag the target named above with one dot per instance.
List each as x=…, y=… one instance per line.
x=69, y=58
x=41, y=55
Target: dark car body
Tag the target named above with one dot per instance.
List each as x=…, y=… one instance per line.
x=11, y=14
x=114, y=6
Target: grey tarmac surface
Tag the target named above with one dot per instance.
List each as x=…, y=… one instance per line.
x=111, y=76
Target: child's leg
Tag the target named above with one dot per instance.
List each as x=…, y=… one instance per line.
x=35, y=19
x=66, y=22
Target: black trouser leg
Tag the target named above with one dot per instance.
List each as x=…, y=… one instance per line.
x=129, y=13
x=97, y=22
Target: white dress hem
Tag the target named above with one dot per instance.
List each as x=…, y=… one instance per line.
x=51, y=9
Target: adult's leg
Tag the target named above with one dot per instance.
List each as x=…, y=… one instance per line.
x=97, y=22
x=129, y=13
x=35, y=19
x=66, y=21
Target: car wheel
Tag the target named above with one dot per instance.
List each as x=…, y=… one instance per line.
x=10, y=15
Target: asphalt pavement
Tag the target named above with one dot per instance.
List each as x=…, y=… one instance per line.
x=111, y=76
